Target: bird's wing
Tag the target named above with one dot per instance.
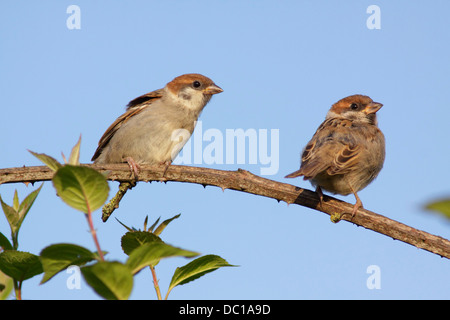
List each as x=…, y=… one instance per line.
x=134, y=107
x=147, y=98
x=345, y=160
x=328, y=151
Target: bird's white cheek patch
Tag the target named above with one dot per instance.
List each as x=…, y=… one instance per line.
x=192, y=99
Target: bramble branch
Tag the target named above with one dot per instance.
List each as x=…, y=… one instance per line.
x=245, y=181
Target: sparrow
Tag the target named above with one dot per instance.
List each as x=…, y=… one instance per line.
x=156, y=125
x=347, y=151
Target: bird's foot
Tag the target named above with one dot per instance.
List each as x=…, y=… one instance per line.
x=134, y=167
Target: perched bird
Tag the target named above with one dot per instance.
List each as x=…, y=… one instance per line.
x=156, y=125
x=347, y=151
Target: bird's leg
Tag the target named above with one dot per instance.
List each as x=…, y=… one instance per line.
x=124, y=186
x=166, y=166
x=134, y=167
x=357, y=205
x=335, y=217
x=320, y=193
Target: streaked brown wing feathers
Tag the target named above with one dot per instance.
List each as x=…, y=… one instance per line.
x=325, y=153
x=134, y=107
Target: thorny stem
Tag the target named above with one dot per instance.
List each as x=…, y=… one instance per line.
x=155, y=283
x=94, y=234
x=245, y=181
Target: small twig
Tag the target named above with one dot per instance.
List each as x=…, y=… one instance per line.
x=113, y=204
x=245, y=181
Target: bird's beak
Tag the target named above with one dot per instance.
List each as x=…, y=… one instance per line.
x=212, y=89
x=373, y=107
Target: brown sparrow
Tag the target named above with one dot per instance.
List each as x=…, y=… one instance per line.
x=149, y=131
x=347, y=151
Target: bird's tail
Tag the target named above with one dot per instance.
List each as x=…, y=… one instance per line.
x=294, y=174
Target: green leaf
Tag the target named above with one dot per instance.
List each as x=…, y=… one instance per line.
x=149, y=254
x=164, y=224
x=26, y=204
x=11, y=215
x=197, y=268
x=74, y=158
x=20, y=265
x=17, y=213
x=16, y=202
x=4, y=243
x=6, y=286
x=58, y=257
x=441, y=206
x=111, y=280
x=50, y=162
x=134, y=239
x=153, y=225
x=82, y=188
x=145, y=223
x=125, y=226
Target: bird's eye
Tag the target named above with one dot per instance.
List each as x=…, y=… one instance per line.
x=354, y=106
x=196, y=84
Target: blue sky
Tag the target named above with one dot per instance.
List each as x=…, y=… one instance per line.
x=281, y=65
